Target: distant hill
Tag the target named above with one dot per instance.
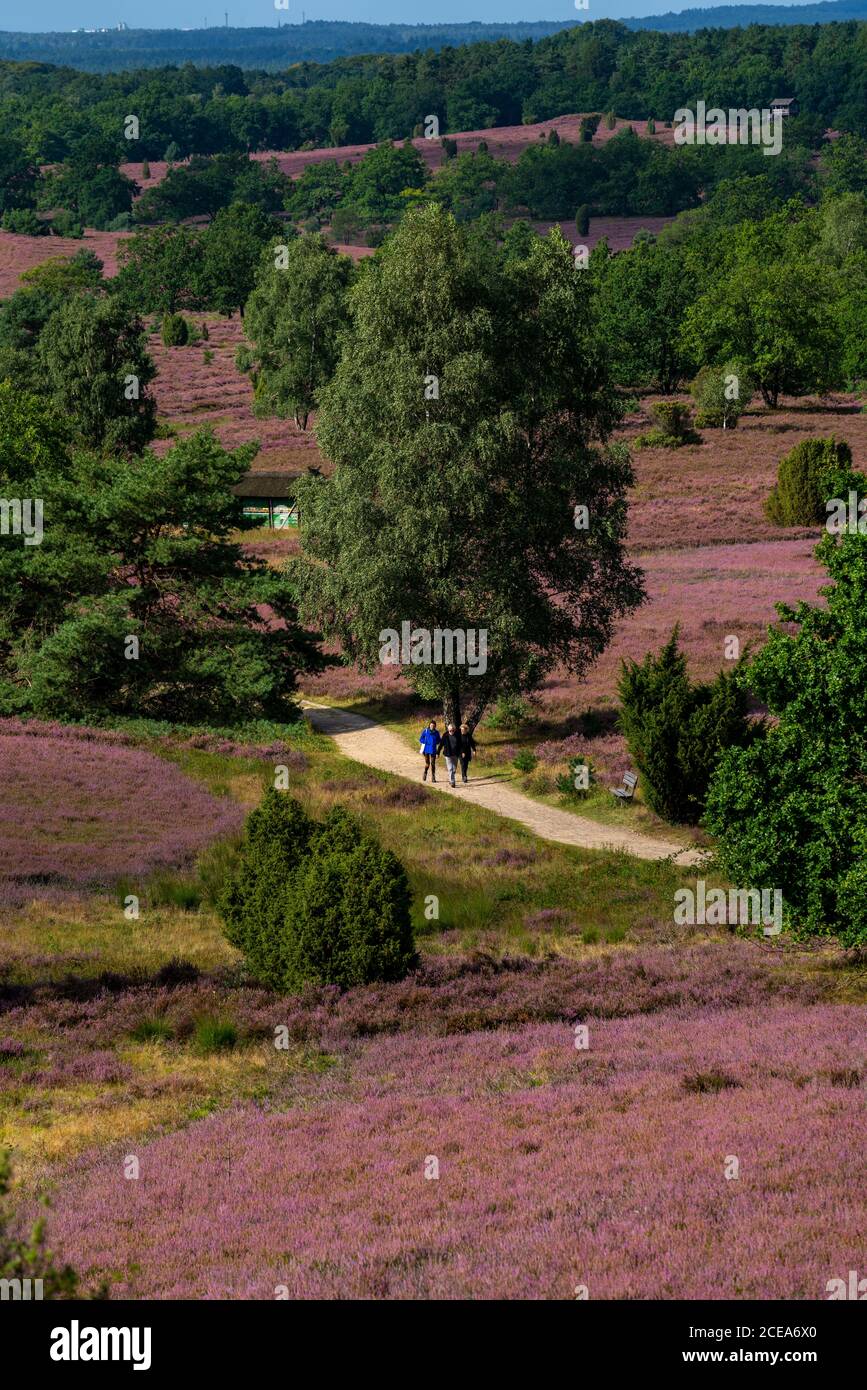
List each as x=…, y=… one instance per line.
x=739, y=16
x=318, y=41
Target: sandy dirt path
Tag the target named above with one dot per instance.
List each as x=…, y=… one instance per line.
x=367, y=742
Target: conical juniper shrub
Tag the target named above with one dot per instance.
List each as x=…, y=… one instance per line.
x=677, y=730
x=253, y=906
x=806, y=477
x=320, y=904
x=348, y=919
x=339, y=832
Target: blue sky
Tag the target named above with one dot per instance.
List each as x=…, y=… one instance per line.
x=177, y=14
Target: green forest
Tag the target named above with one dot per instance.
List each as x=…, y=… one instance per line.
x=603, y=66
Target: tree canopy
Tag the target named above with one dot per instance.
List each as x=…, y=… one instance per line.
x=467, y=421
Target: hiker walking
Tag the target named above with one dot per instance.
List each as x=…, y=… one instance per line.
x=429, y=743
x=452, y=747
x=468, y=748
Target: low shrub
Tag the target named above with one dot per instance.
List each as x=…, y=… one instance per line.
x=64, y=223
x=524, y=760
x=811, y=473
x=24, y=222
x=672, y=427
x=571, y=784
x=169, y=890
x=589, y=126
x=28, y=1258
x=510, y=712
x=215, y=866
x=319, y=903
x=175, y=331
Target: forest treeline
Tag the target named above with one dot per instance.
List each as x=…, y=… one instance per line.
x=728, y=16
x=602, y=66
x=268, y=49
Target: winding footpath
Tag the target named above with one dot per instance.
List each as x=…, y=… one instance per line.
x=367, y=742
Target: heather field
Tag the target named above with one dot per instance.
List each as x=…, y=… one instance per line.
x=82, y=809
x=200, y=386
x=556, y=1167
x=504, y=143
x=20, y=253
x=304, y=1167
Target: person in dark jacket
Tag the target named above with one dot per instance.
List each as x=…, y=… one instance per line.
x=452, y=746
x=429, y=741
x=468, y=748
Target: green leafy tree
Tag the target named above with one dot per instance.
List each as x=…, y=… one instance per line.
x=263, y=185
x=745, y=198
x=467, y=186
x=644, y=295
x=790, y=810
x=844, y=165
x=844, y=229
x=466, y=378
x=89, y=184
x=43, y=290
x=851, y=314
x=233, y=247
x=96, y=369
x=293, y=322
x=721, y=396
x=765, y=312
x=518, y=240
x=317, y=193
x=197, y=189
x=160, y=270
x=18, y=175
x=376, y=183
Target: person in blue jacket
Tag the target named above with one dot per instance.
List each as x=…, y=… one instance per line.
x=429, y=742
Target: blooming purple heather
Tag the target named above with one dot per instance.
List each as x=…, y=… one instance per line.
x=85, y=808
x=558, y=1167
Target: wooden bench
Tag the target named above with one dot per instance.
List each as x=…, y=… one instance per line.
x=627, y=790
